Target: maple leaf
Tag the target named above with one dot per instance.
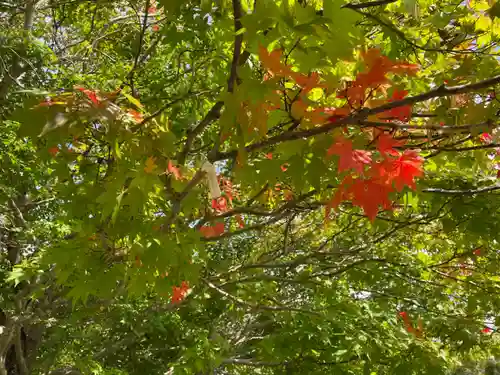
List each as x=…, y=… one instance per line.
x=215, y=230
x=150, y=165
x=386, y=144
x=219, y=204
x=486, y=330
x=307, y=82
x=53, y=151
x=370, y=195
x=138, y=117
x=337, y=113
x=179, y=293
x=486, y=138
x=90, y=94
x=155, y=28
x=272, y=61
x=284, y=167
x=349, y=158
x=403, y=112
x=269, y=155
x=171, y=168
x=402, y=171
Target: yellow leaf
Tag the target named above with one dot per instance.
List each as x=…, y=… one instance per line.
x=483, y=23
x=150, y=165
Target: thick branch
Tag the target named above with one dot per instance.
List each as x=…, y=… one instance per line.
x=359, y=117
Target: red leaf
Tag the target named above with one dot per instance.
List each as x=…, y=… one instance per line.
x=90, y=94
x=486, y=330
x=401, y=171
x=477, y=251
x=215, y=230
x=386, y=144
x=408, y=167
x=486, y=138
x=402, y=113
x=53, y=151
x=349, y=158
x=155, y=28
x=174, y=170
x=269, y=155
x=179, y=293
x=219, y=204
x=284, y=167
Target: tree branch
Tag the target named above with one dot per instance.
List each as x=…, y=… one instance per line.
x=17, y=69
x=359, y=117
x=368, y=4
x=251, y=363
x=462, y=192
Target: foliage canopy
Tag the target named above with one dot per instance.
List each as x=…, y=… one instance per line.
x=249, y=187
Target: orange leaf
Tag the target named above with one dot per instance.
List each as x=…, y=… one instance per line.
x=272, y=61
x=174, y=170
x=138, y=117
x=150, y=165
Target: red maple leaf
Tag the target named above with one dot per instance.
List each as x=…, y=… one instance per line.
x=219, y=204
x=215, y=230
x=155, y=28
x=90, y=94
x=370, y=196
x=402, y=113
x=336, y=114
x=53, y=151
x=349, y=158
x=407, y=167
x=486, y=138
x=174, y=170
x=179, y=293
x=401, y=171
x=486, y=330
x=386, y=144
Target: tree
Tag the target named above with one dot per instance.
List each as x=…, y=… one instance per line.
x=238, y=187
